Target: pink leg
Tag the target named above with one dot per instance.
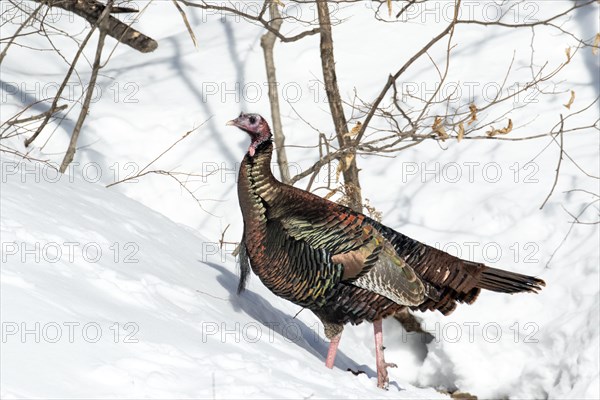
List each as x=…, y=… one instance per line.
x=382, y=374
x=333, y=345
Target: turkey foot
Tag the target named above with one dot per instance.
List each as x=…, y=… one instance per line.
x=382, y=366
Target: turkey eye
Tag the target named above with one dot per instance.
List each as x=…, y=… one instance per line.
x=252, y=120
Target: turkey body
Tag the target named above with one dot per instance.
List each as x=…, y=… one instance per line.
x=341, y=264
x=291, y=267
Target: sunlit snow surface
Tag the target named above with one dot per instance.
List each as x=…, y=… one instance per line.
x=123, y=292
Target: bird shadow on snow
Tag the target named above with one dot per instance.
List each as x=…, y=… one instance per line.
x=285, y=325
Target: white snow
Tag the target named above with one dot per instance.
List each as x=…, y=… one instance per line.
x=127, y=294
x=153, y=313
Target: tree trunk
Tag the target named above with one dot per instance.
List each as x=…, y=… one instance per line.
x=351, y=182
x=350, y=170
x=267, y=42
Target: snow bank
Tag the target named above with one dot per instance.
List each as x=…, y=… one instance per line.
x=103, y=297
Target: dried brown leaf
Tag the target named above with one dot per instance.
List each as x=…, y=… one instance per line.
x=354, y=131
x=473, y=116
x=596, y=44
x=330, y=194
x=568, y=53
x=461, y=132
x=438, y=128
x=389, y=4
x=502, y=131
x=571, y=100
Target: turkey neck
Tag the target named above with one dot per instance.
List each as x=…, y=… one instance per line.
x=257, y=185
x=256, y=188
x=260, y=178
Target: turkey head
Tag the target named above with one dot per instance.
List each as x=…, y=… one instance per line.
x=255, y=126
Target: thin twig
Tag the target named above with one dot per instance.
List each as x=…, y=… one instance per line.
x=257, y=18
x=162, y=172
x=394, y=77
x=173, y=145
x=18, y=31
x=573, y=223
x=560, y=132
x=63, y=84
x=186, y=22
x=36, y=117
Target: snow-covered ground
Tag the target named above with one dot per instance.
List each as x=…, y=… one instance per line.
x=124, y=302
x=123, y=291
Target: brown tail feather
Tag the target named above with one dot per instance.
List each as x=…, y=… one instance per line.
x=498, y=280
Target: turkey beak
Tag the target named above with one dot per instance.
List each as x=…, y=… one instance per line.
x=236, y=122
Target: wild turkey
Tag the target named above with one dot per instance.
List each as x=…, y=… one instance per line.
x=340, y=264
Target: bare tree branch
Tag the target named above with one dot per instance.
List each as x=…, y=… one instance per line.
x=18, y=31
x=103, y=24
x=267, y=42
x=394, y=77
x=256, y=18
x=91, y=11
x=175, y=175
x=560, y=157
x=186, y=22
x=36, y=117
x=62, y=85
